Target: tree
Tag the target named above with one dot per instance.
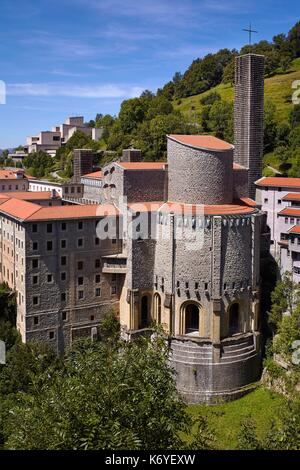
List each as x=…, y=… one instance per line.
x=247, y=436
x=270, y=126
x=295, y=116
x=284, y=298
x=221, y=120
x=107, y=395
x=294, y=40
x=38, y=163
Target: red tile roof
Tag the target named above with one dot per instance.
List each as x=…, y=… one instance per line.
x=207, y=142
x=30, y=195
x=10, y=174
x=290, y=211
x=143, y=165
x=19, y=209
x=237, y=167
x=74, y=212
x=276, y=182
x=144, y=206
x=248, y=201
x=291, y=197
x=25, y=210
x=96, y=175
x=222, y=209
x=295, y=229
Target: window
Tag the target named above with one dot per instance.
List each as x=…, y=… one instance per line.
x=98, y=277
x=80, y=225
x=49, y=278
x=35, y=246
x=56, y=138
x=35, y=300
x=92, y=317
x=64, y=316
x=63, y=226
x=286, y=220
x=279, y=201
x=292, y=240
x=186, y=285
x=63, y=260
x=34, y=228
x=51, y=334
x=97, y=263
x=114, y=241
x=113, y=290
x=205, y=285
x=63, y=276
x=266, y=200
x=63, y=297
x=79, y=242
x=35, y=320
x=80, y=294
x=79, y=265
x=35, y=279
x=292, y=220
x=49, y=245
x=35, y=263
x=66, y=190
x=224, y=286
x=80, y=281
x=72, y=190
x=98, y=292
x=49, y=228
x=97, y=241
x=78, y=189
x=63, y=243
x=233, y=285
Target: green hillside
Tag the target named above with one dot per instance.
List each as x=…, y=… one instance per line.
x=278, y=89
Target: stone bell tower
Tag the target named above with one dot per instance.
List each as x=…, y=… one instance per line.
x=248, y=115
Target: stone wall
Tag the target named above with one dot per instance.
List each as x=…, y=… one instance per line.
x=199, y=176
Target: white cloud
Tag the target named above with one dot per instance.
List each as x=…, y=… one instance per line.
x=77, y=91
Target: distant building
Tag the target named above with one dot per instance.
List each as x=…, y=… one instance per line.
x=82, y=163
x=18, y=156
x=66, y=190
x=13, y=180
x=50, y=141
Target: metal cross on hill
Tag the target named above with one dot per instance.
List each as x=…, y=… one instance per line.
x=250, y=31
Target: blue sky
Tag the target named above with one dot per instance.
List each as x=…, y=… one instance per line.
x=70, y=57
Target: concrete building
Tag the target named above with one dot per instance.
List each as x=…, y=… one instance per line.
x=71, y=191
x=50, y=141
x=248, y=115
x=279, y=198
x=13, y=180
x=92, y=188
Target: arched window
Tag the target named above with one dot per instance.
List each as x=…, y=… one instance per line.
x=157, y=308
x=144, y=311
x=234, y=319
x=191, y=319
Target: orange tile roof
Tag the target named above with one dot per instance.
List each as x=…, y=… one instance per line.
x=143, y=165
x=248, y=201
x=222, y=209
x=295, y=229
x=95, y=174
x=144, y=206
x=208, y=142
x=30, y=195
x=19, y=208
x=291, y=197
x=290, y=211
x=73, y=212
x=25, y=210
x=279, y=182
x=237, y=166
x=9, y=174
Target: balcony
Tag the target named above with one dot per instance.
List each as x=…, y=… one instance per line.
x=114, y=264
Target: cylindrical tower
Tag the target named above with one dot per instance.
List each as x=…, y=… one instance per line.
x=200, y=170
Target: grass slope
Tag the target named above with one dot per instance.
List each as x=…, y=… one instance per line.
x=225, y=419
x=278, y=89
